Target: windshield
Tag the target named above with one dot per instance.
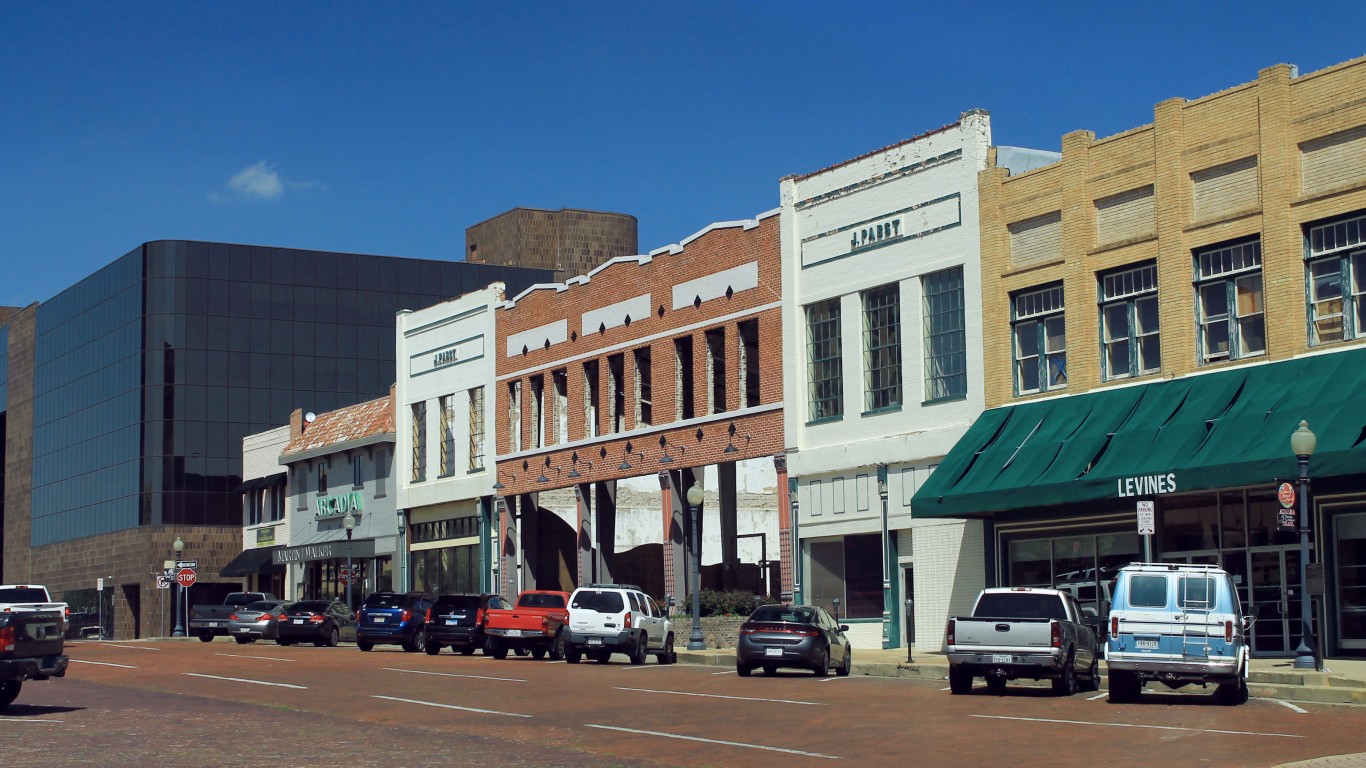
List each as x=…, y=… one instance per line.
x=262, y=606
x=456, y=603
x=1019, y=605
x=541, y=601
x=309, y=606
x=23, y=595
x=602, y=602
x=385, y=600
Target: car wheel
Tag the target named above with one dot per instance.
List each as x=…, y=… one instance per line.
x=637, y=654
x=668, y=655
x=822, y=665
x=1093, y=677
x=769, y=669
x=960, y=681
x=9, y=691
x=1231, y=694
x=499, y=652
x=467, y=650
x=333, y=638
x=364, y=645
x=206, y=637
x=603, y=657
x=1125, y=687
x=1066, y=683
x=242, y=640
x=431, y=648
x=557, y=647
x=743, y=670
x=571, y=654
x=418, y=641
x=844, y=669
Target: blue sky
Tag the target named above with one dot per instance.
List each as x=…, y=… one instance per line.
x=390, y=127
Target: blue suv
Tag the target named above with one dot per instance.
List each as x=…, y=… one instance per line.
x=393, y=618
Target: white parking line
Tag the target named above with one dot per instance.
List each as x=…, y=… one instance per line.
x=102, y=663
x=27, y=720
x=243, y=680
x=1290, y=706
x=646, y=666
x=831, y=679
x=129, y=647
x=715, y=741
x=452, y=674
x=1134, y=725
x=1100, y=695
x=451, y=706
x=719, y=696
x=727, y=672
x=244, y=656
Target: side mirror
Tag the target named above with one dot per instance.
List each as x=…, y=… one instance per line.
x=844, y=627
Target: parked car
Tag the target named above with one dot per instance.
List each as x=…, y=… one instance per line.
x=617, y=618
x=31, y=648
x=1032, y=633
x=1179, y=625
x=210, y=620
x=317, y=621
x=254, y=621
x=457, y=621
x=393, y=618
x=800, y=636
x=533, y=626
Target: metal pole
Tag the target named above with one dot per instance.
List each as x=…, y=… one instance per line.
x=1304, y=654
x=350, y=574
x=695, y=640
x=179, y=548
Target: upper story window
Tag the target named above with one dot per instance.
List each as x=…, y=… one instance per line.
x=1336, y=273
x=277, y=503
x=418, y=433
x=256, y=500
x=1229, y=303
x=447, y=425
x=590, y=398
x=825, y=384
x=476, y=429
x=381, y=474
x=882, y=348
x=357, y=471
x=946, y=341
x=644, y=391
x=750, y=392
x=1128, y=322
x=322, y=480
x=537, y=411
x=514, y=416
x=559, y=432
x=716, y=369
x=1039, y=331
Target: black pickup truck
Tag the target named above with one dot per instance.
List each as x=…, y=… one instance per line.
x=31, y=648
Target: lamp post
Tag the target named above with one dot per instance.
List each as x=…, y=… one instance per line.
x=179, y=547
x=1302, y=444
x=349, y=523
x=695, y=641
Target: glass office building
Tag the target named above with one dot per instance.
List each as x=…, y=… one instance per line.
x=147, y=374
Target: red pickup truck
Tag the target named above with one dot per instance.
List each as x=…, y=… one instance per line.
x=533, y=624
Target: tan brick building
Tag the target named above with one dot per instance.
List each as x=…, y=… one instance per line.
x=570, y=241
x=1161, y=309
x=666, y=367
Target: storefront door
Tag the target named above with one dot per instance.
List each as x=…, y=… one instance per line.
x=1273, y=579
x=1349, y=550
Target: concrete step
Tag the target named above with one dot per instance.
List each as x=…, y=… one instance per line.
x=1308, y=694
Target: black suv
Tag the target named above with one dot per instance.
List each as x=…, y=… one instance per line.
x=458, y=621
x=395, y=618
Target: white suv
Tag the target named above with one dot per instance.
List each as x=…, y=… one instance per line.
x=617, y=618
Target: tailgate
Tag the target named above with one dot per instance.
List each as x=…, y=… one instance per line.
x=34, y=634
x=1002, y=633
x=517, y=618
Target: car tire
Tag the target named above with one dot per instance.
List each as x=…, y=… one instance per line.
x=498, y=650
x=467, y=651
x=1125, y=687
x=743, y=670
x=844, y=669
x=571, y=654
x=1092, y=682
x=1231, y=694
x=637, y=654
x=242, y=640
x=669, y=654
x=333, y=638
x=557, y=647
x=206, y=637
x=418, y=641
x=9, y=691
x=432, y=648
x=1065, y=684
x=960, y=681
x=364, y=645
x=822, y=665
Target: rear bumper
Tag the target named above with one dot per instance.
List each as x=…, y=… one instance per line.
x=623, y=639
x=399, y=633
x=804, y=653
x=455, y=635
x=1040, y=665
x=1213, y=670
x=40, y=668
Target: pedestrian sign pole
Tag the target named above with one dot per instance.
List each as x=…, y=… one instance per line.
x=1147, y=522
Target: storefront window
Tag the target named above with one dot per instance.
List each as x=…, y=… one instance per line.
x=849, y=569
x=1261, y=520
x=1030, y=563
x=1232, y=520
x=1084, y=565
x=1349, y=547
x=1190, y=523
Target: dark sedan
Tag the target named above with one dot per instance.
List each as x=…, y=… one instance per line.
x=254, y=621
x=317, y=621
x=458, y=621
x=800, y=636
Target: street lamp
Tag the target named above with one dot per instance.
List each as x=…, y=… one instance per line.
x=349, y=523
x=1302, y=444
x=179, y=547
x=695, y=641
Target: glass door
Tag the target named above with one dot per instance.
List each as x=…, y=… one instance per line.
x=1349, y=547
x=1273, y=576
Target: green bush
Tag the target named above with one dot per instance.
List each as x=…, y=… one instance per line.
x=731, y=602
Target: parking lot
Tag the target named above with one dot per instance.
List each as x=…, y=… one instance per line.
x=179, y=703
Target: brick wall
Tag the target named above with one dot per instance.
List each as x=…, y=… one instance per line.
x=18, y=458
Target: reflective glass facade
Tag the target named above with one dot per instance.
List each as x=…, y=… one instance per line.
x=149, y=372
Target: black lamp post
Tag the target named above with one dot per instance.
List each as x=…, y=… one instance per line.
x=349, y=523
x=179, y=547
x=695, y=640
x=1302, y=444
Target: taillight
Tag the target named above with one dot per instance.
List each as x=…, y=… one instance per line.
x=479, y=617
x=1114, y=626
x=407, y=614
x=627, y=624
x=7, y=635
x=316, y=618
x=357, y=617
x=232, y=617
x=1228, y=631
x=948, y=635
x=282, y=617
x=1055, y=634
x=545, y=623
x=428, y=619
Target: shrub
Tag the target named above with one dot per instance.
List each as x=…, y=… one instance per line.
x=731, y=602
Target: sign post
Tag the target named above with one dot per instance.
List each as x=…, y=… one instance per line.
x=1147, y=524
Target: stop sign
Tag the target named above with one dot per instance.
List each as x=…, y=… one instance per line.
x=185, y=577
x=344, y=576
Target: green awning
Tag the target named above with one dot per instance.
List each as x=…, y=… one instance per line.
x=1201, y=432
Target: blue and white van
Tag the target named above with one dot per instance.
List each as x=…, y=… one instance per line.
x=1176, y=624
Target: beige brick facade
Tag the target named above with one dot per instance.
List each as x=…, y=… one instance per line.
x=569, y=241
x=1259, y=160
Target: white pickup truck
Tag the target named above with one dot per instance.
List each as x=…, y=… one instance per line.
x=29, y=597
x=1023, y=632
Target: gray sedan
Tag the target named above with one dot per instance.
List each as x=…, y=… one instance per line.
x=255, y=621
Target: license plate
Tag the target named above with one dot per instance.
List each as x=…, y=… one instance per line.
x=1146, y=643
x=773, y=651
x=213, y=623
x=451, y=622
x=595, y=641
x=298, y=621
x=379, y=619
x=1001, y=658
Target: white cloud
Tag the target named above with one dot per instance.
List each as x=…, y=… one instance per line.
x=260, y=181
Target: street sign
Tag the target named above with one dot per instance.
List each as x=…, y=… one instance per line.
x=1286, y=495
x=169, y=573
x=344, y=576
x=187, y=564
x=185, y=577
x=163, y=582
x=99, y=584
x=1147, y=519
